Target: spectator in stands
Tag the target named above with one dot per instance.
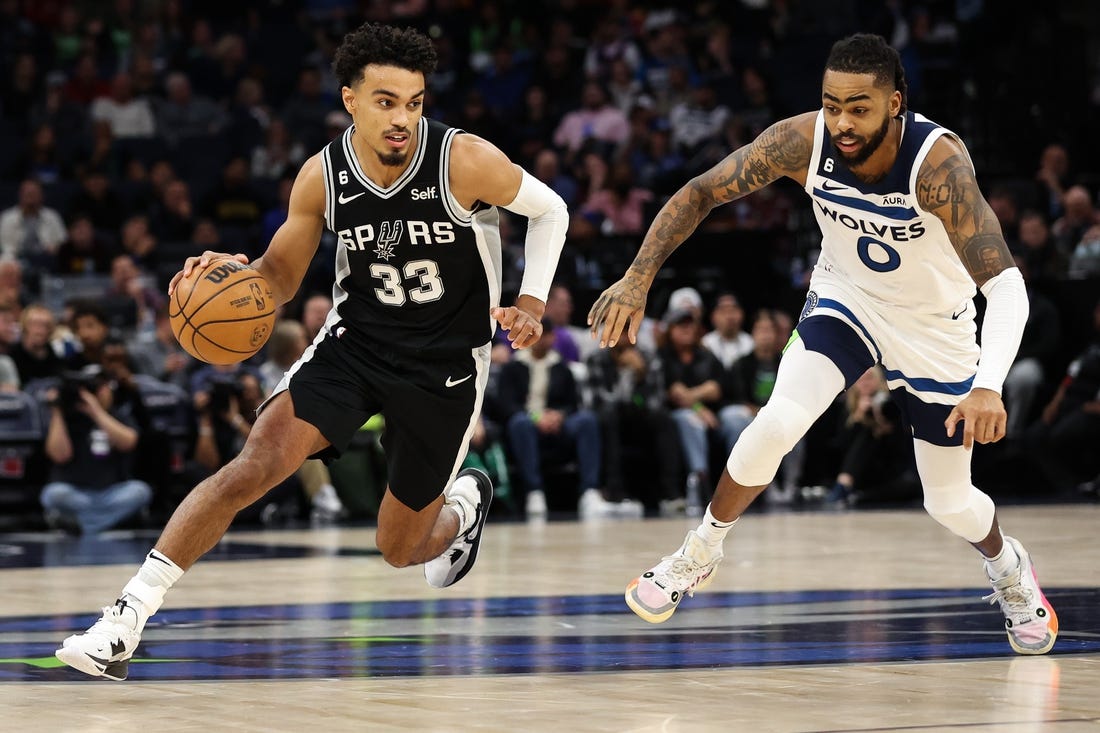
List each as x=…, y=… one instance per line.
x=31, y=232
x=249, y=117
x=697, y=121
x=288, y=341
x=304, y=113
x=314, y=313
x=620, y=204
x=90, y=443
x=693, y=384
x=596, y=120
x=611, y=45
x=174, y=217
x=184, y=114
x=20, y=90
x=1045, y=262
x=1052, y=179
x=548, y=170
x=1007, y=209
x=534, y=125
x=91, y=329
x=728, y=341
x=877, y=452
x=540, y=405
x=1038, y=345
x=12, y=290
x=234, y=202
x=84, y=84
x=9, y=373
x=274, y=217
x=97, y=199
x=1084, y=261
x=128, y=116
x=1080, y=216
x=1063, y=440
x=157, y=353
x=84, y=252
x=569, y=340
x=134, y=287
x=628, y=398
x=33, y=355
x=279, y=155
x=138, y=241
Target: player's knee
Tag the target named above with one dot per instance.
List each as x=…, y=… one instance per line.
x=961, y=508
x=780, y=424
x=248, y=477
x=395, y=548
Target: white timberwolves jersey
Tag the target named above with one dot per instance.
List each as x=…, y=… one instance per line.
x=876, y=237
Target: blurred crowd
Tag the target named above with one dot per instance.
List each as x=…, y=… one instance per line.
x=135, y=133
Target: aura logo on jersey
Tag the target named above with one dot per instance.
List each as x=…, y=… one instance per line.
x=391, y=233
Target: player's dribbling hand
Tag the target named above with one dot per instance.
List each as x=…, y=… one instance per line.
x=622, y=303
x=983, y=416
x=202, y=261
x=522, y=321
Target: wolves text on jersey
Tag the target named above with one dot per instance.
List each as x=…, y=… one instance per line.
x=896, y=232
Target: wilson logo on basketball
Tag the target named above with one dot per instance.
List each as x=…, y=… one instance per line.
x=224, y=270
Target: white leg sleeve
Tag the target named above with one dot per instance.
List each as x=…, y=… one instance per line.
x=805, y=386
x=949, y=496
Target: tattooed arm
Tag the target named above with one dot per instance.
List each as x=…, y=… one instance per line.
x=947, y=188
x=782, y=150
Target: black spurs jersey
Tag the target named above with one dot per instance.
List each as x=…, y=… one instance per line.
x=414, y=270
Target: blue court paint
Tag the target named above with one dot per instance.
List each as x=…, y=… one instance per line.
x=528, y=635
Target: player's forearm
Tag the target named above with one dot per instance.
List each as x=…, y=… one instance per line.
x=283, y=281
x=674, y=223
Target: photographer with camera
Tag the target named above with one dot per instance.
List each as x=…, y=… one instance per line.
x=90, y=443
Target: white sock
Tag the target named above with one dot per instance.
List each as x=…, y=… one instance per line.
x=1004, y=563
x=712, y=531
x=463, y=506
x=145, y=591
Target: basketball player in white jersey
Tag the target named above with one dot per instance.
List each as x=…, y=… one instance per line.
x=415, y=301
x=906, y=239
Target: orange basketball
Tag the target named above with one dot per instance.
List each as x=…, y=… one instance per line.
x=222, y=313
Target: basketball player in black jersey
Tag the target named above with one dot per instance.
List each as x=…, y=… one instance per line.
x=416, y=300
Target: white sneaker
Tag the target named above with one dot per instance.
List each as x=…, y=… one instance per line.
x=536, y=504
x=104, y=650
x=630, y=509
x=476, y=495
x=655, y=595
x=327, y=506
x=592, y=505
x=1030, y=621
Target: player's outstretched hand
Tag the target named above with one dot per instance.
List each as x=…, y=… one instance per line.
x=522, y=321
x=622, y=303
x=202, y=261
x=983, y=416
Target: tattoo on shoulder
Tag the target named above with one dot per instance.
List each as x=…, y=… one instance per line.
x=950, y=192
x=779, y=150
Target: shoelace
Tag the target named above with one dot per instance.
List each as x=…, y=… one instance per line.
x=682, y=571
x=1015, y=597
x=111, y=615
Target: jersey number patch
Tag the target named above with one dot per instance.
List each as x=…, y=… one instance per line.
x=863, y=249
x=393, y=291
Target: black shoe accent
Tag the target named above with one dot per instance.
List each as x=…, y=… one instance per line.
x=117, y=671
x=473, y=534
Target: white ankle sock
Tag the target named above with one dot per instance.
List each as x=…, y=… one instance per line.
x=145, y=591
x=712, y=531
x=1004, y=563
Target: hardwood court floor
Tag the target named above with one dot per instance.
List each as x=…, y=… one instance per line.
x=853, y=621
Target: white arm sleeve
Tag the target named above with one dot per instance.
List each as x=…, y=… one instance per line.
x=548, y=219
x=1005, y=315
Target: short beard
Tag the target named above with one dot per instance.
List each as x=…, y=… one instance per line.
x=392, y=159
x=873, y=143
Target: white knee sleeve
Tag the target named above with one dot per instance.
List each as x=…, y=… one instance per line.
x=949, y=497
x=806, y=384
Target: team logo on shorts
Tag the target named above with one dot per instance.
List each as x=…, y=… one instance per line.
x=811, y=303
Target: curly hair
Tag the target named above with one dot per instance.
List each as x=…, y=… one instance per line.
x=374, y=43
x=867, y=53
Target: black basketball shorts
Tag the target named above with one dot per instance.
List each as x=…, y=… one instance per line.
x=430, y=406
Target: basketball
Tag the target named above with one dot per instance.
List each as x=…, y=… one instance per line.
x=222, y=313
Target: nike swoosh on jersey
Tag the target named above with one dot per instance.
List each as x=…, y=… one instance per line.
x=344, y=199
x=455, y=382
x=825, y=185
